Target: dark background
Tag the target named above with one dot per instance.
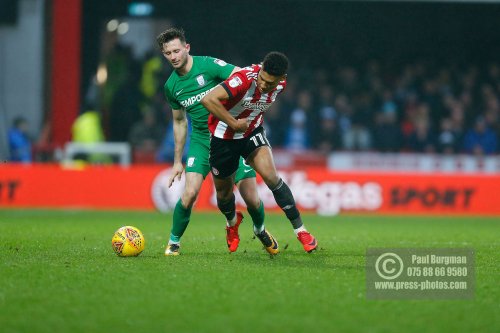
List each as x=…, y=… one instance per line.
x=319, y=33
x=8, y=12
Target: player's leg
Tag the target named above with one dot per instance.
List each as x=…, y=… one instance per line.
x=224, y=157
x=257, y=212
x=255, y=206
x=261, y=159
x=247, y=185
x=197, y=168
x=182, y=211
x=225, y=196
x=227, y=205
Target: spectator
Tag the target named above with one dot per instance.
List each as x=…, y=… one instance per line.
x=87, y=128
x=448, y=140
x=493, y=121
x=344, y=113
x=359, y=135
x=298, y=136
x=125, y=108
x=387, y=136
x=388, y=103
x=480, y=140
x=19, y=141
x=422, y=139
x=147, y=134
x=275, y=125
x=328, y=134
x=118, y=63
x=150, y=76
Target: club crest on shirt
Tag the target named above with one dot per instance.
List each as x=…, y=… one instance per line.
x=220, y=62
x=201, y=80
x=234, y=82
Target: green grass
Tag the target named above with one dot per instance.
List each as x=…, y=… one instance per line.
x=58, y=274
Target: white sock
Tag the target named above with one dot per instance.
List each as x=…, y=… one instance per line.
x=258, y=231
x=172, y=242
x=299, y=229
x=232, y=222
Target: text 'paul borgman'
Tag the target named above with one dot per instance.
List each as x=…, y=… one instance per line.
x=434, y=259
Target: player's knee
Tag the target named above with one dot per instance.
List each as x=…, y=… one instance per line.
x=224, y=189
x=271, y=181
x=189, y=197
x=252, y=200
x=224, y=194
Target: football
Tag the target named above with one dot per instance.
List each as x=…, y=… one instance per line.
x=128, y=241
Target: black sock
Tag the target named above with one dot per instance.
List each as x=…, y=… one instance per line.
x=284, y=199
x=228, y=208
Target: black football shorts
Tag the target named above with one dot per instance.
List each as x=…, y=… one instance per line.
x=225, y=153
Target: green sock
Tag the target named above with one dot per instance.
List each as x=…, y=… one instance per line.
x=181, y=221
x=257, y=216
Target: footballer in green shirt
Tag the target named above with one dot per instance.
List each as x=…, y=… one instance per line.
x=193, y=77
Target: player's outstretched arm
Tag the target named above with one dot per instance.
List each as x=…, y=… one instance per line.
x=212, y=102
x=180, y=134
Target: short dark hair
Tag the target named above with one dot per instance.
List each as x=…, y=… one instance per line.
x=275, y=63
x=170, y=34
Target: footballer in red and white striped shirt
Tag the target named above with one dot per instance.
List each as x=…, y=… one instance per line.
x=236, y=109
x=246, y=101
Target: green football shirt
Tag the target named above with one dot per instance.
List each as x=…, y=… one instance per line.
x=186, y=91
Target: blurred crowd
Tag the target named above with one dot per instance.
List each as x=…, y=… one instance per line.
x=414, y=106
x=418, y=106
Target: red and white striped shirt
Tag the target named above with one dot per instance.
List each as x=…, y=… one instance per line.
x=245, y=101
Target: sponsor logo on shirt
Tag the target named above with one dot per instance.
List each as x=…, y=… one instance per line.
x=201, y=80
x=259, y=106
x=221, y=63
x=234, y=82
x=194, y=99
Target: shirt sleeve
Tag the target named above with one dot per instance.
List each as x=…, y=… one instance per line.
x=236, y=84
x=174, y=104
x=219, y=68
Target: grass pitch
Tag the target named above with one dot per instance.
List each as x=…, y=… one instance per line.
x=58, y=273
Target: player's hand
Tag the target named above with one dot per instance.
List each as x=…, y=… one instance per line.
x=177, y=170
x=241, y=125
